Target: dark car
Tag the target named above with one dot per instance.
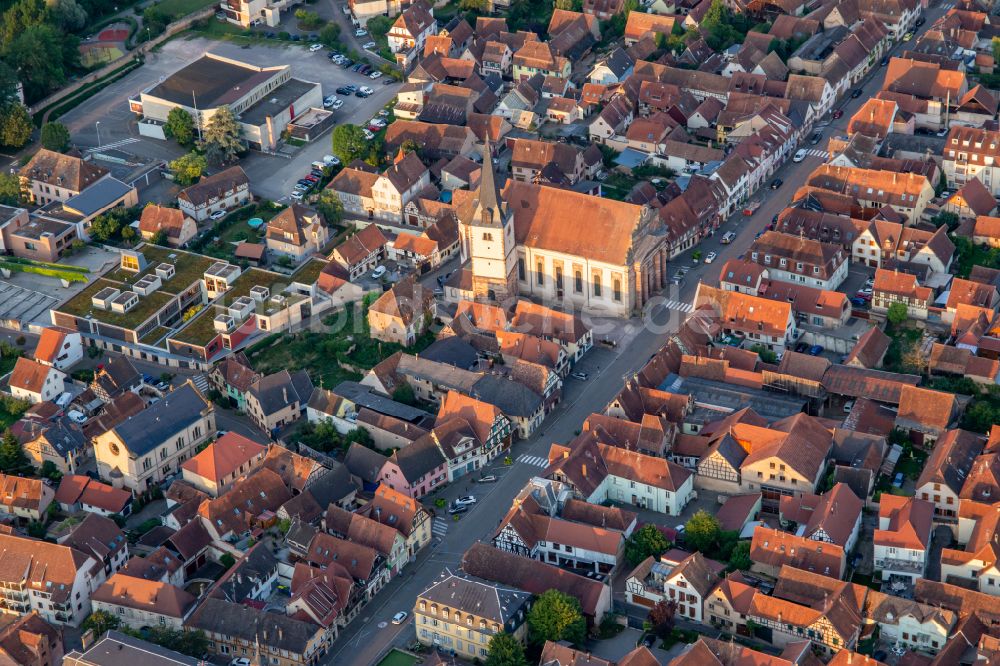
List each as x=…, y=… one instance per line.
x=296, y=38
x=838, y=114
x=816, y=350
x=388, y=81
x=347, y=63
x=816, y=138
x=458, y=508
x=856, y=93
x=362, y=94
x=858, y=302
x=885, y=61
x=776, y=183
x=801, y=347
x=920, y=21
x=346, y=90
x=648, y=640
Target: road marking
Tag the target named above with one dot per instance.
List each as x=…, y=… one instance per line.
x=537, y=461
x=677, y=305
x=117, y=144
x=439, y=527
x=816, y=152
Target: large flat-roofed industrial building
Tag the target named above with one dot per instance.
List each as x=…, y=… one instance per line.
x=265, y=99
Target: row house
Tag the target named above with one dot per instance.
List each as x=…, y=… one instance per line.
x=686, y=583
x=366, y=567
x=976, y=565
x=361, y=252
x=800, y=260
x=538, y=58
x=970, y=153
x=882, y=244
x=752, y=318
x=906, y=193
x=945, y=471
x=365, y=531
x=727, y=605
x=903, y=537
x=805, y=606
x=895, y=287
x=833, y=517
x=772, y=549
x=910, y=624
x=599, y=472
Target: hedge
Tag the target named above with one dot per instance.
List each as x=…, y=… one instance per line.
x=33, y=262
x=69, y=276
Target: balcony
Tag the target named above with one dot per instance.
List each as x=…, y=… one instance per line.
x=902, y=566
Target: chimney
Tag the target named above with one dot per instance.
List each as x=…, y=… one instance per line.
x=284, y=394
x=584, y=469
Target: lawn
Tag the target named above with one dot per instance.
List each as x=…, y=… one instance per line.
x=398, y=658
x=321, y=353
x=179, y=8
x=11, y=410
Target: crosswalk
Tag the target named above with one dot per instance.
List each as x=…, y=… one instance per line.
x=678, y=305
x=816, y=152
x=117, y=144
x=537, y=461
x=439, y=527
x=947, y=6
x=201, y=383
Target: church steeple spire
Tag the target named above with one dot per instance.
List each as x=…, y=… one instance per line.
x=488, y=209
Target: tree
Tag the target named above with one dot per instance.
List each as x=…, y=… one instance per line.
x=188, y=168
x=702, y=531
x=113, y=224
x=379, y=26
x=349, y=143
x=556, y=617
x=38, y=54
x=20, y=16
x=569, y=5
x=996, y=49
x=128, y=234
x=307, y=19
x=50, y=471
x=897, y=313
x=55, y=137
x=12, y=457
x=179, y=126
x=156, y=19
x=10, y=189
x=980, y=416
x=404, y=393
x=661, y=617
x=480, y=6
x=15, y=126
x=330, y=207
x=739, y=559
x=222, y=137
x=69, y=15
x=100, y=622
x=330, y=34
x=227, y=560
x=647, y=541
x=505, y=650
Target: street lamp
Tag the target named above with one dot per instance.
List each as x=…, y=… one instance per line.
x=98, y=126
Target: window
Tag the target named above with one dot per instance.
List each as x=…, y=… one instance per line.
x=520, y=269
x=617, y=287
x=487, y=237
x=540, y=273
x=578, y=282
x=559, y=278
x=597, y=286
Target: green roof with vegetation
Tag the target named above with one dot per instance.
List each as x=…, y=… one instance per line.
x=81, y=305
x=188, y=267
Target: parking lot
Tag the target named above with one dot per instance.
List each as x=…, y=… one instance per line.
x=271, y=176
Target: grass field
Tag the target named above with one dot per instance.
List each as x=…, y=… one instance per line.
x=179, y=8
x=397, y=658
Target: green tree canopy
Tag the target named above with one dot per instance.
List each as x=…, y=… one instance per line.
x=556, y=617
x=55, y=136
x=379, y=26
x=330, y=207
x=100, y=622
x=187, y=169
x=349, y=143
x=702, y=531
x=897, y=313
x=647, y=541
x=739, y=558
x=505, y=650
x=222, y=137
x=37, y=53
x=15, y=125
x=179, y=126
x=68, y=15
x=12, y=457
x=330, y=34
x=10, y=189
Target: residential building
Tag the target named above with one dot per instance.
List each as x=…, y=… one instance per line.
x=906, y=193
x=686, y=583
x=26, y=499
x=599, y=472
x=771, y=550
x=417, y=469
x=215, y=469
x=903, y=537
x=910, y=624
x=296, y=232
x=398, y=185
x=47, y=577
x=29, y=640
x=146, y=448
x=36, y=382
x=944, y=473
x=393, y=508
x=461, y=613
x=226, y=190
x=50, y=176
x=970, y=153
x=168, y=226
x=759, y=320
x=412, y=28
x=402, y=313
x=536, y=57
x=833, y=517
x=233, y=377
x=59, y=347
x=800, y=260
x=82, y=493
x=276, y=400
x=139, y=603
x=115, y=648
x=361, y=252
x=58, y=440
x=895, y=287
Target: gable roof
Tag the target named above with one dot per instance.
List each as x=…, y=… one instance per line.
x=223, y=457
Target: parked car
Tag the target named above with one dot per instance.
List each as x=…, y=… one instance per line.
x=710, y=257
x=908, y=36
x=801, y=347
x=76, y=417
x=467, y=500
x=816, y=138
x=920, y=21
x=375, y=75
x=217, y=215
x=400, y=617
x=728, y=237
x=378, y=272
x=346, y=9
x=776, y=183
x=366, y=89
x=331, y=160
x=839, y=113
x=369, y=46
x=328, y=101
x=800, y=155
x=369, y=135
x=582, y=376
x=457, y=509
x=315, y=47
x=296, y=195
x=346, y=90
x=362, y=94
x=897, y=482
x=848, y=406
x=856, y=93
x=816, y=350
x=858, y=302
x=360, y=32
x=337, y=103
x=240, y=661
x=488, y=478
